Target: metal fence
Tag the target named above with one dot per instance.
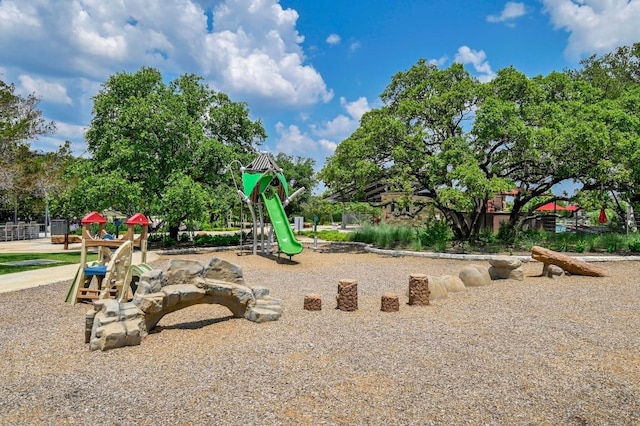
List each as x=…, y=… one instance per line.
x=20, y=231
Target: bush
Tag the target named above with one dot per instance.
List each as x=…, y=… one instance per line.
x=634, y=245
x=385, y=236
x=366, y=234
x=507, y=233
x=436, y=235
x=486, y=236
x=332, y=235
x=218, y=240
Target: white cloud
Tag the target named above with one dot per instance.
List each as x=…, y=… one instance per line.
x=440, y=61
x=478, y=59
x=52, y=92
x=595, y=26
x=12, y=16
x=340, y=127
x=333, y=39
x=253, y=51
x=354, y=46
x=511, y=11
x=328, y=145
x=322, y=138
x=294, y=142
x=356, y=109
x=69, y=131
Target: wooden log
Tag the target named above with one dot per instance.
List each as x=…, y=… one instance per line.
x=568, y=263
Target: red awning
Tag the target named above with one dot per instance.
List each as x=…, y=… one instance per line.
x=551, y=207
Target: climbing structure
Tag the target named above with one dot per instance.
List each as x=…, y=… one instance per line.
x=264, y=186
x=114, y=272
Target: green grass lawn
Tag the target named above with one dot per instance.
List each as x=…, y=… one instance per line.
x=61, y=258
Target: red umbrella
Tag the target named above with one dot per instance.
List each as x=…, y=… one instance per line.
x=603, y=216
x=551, y=207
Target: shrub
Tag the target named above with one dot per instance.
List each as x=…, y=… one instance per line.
x=332, y=235
x=634, y=245
x=385, y=236
x=437, y=235
x=366, y=234
x=487, y=236
x=507, y=233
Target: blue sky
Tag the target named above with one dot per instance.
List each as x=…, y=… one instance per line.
x=307, y=69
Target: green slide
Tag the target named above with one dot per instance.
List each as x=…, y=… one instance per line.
x=287, y=242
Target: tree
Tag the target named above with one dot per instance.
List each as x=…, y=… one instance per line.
x=420, y=141
x=299, y=173
x=155, y=135
x=541, y=131
x=82, y=191
x=20, y=122
x=617, y=76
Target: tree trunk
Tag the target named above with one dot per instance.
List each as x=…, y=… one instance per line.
x=173, y=232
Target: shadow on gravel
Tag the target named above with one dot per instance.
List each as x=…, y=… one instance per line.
x=341, y=248
x=194, y=325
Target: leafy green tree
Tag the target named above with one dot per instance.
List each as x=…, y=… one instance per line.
x=299, y=173
x=316, y=206
x=82, y=191
x=538, y=132
x=420, y=140
x=20, y=122
x=617, y=76
x=153, y=135
x=185, y=199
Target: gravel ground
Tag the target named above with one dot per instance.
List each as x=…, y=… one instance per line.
x=532, y=352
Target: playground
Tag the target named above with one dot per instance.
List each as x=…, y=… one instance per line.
x=549, y=351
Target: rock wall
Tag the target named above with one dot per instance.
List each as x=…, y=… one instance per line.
x=110, y=324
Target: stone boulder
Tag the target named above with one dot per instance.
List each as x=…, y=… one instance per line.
x=474, y=276
x=506, y=267
x=437, y=287
x=552, y=271
x=111, y=324
x=219, y=269
x=182, y=271
x=452, y=283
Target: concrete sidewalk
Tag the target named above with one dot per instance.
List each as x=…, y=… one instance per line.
x=44, y=276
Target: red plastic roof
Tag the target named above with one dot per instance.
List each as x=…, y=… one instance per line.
x=138, y=219
x=93, y=217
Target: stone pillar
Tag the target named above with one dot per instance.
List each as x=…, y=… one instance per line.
x=313, y=302
x=418, y=289
x=347, y=297
x=390, y=302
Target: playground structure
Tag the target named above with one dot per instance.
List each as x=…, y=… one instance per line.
x=111, y=324
x=114, y=272
x=264, y=185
